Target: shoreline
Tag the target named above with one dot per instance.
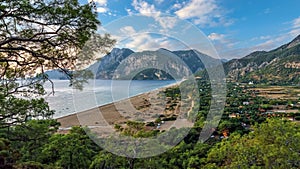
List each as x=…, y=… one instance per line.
x=113, y=101
x=117, y=112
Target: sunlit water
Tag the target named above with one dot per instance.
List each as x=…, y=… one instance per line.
x=67, y=100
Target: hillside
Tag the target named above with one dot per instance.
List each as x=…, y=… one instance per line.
x=56, y=74
x=278, y=66
x=165, y=63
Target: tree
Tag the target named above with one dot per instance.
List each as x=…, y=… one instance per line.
x=74, y=150
x=39, y=35
x=36, y=36
x=28, y=138
x=4, y=153
x=106, y=160
x=273, y=144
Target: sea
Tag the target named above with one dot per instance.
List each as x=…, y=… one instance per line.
x=67, y=100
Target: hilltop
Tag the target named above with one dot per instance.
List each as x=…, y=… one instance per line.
x=278, y=66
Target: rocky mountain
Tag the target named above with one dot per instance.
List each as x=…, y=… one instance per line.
x=278, y=66
x=105, y=67
x=161, y=64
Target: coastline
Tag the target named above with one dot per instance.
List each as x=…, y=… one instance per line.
x=117, y=112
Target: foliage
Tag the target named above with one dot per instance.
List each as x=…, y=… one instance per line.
x=36, y=36
x=73, y=150
x=274, y=144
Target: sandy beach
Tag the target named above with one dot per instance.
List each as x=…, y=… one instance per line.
x=145, y=107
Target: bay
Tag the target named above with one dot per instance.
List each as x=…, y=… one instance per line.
x=67, y=100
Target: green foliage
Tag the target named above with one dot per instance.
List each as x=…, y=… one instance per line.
x=15, y=110
x=34, y=165
x=73, y=150
x=36, y=36
x=108, y=160
x=28, y=138
x=274, y=144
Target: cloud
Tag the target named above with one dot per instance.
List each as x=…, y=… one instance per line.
x=295, y=27
x=129, y=11
x=159, y=1
x=266, y=43
x=222, y=40
x=145, y=9
x=166, y=22
x=177, y=6
x=101, y=6
x=216, y=37
x=295, y=32
x=296, y=23
x=102, y=9
x=128, y=30
x=149, y=10
x=271, y=43
x=196, y=8
x=261, y=38
x=204, y=12
x=144, y=41
x=101, y=2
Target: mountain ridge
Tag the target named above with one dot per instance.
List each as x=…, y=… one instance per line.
x=106, y=67
x=277, y=66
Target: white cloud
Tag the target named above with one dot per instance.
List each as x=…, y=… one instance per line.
x=142, y=42
x=264, y=37
x=222, y=41
x=295, y=32
x=271, y=43
x=128, y=30
x=145, y=9
x=261, y=38
x=203, y=12
x=102, y=9
x=128, y=11
x=149, y=10
x=177, y=6
x=197, y=8
x=264, y=42
x=101, y=2
x=101, y=6
x=159, y=1
x=295, y=27
x=166, y=22
x=216, y=37
x=296, y=23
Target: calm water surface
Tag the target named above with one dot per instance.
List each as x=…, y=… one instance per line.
x=67, y=100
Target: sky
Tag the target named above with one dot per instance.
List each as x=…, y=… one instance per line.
x=234, y=28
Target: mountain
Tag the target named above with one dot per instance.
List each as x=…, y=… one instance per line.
x=224, y=60
x=105, y=67
x=278, y=66
x=161, y=64
x=56, y=74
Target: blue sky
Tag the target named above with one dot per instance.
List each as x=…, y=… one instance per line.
x=235, y=27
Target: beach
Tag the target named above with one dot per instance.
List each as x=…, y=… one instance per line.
x=146, y=107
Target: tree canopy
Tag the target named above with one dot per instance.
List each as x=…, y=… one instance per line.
x=39, y=35
x=36, y=36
